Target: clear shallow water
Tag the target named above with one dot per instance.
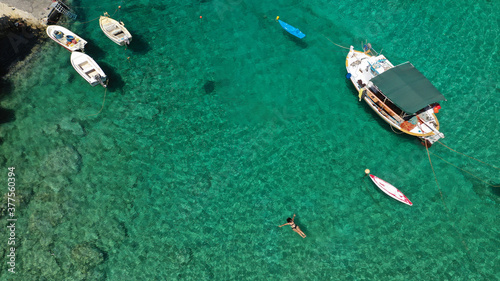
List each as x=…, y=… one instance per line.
x=215, y=130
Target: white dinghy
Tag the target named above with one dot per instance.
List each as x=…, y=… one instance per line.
x=88, y=69
x=115, y=30
x=66, y=38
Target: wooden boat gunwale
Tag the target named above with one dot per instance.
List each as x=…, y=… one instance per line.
x=106, y=21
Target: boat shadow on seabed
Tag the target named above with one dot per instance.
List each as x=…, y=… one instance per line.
x=115, y=80
x=138, y=45
x=299, y=42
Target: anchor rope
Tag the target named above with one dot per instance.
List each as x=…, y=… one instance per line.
x=437, y=183
x=96, y=6
x=103, y=99
x=465, y=171
x=335, y=43
x=448, y=212
x=467, y=155
x=83, y=22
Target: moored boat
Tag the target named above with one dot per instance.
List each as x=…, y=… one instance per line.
x=390, y=190
x=401, y=95
x=66, y=38
x=290, y=29
x=115, y=30
x=88, y=69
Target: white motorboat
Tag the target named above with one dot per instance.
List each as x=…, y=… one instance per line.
x=115, y=30
x=88, y=69
x=66, y=38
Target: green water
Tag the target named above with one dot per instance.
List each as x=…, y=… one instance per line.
x=215, y=130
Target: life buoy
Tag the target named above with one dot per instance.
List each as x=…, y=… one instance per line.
x=437, y=108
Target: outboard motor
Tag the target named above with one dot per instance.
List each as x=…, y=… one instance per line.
x=101, y=80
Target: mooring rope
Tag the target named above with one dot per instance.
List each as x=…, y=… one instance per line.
x=448, y=212
x=468, y=156
x=103, y=99
x=465, y=171
x=83, y=22
x=335, y=43
x=437, y=183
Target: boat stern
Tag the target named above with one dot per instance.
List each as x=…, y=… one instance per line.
x=430, y=140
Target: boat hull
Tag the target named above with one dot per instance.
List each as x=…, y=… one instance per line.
x=62, y=37
x=390, y=190
x=115, y=31
x=88, y=69
x=292, y=30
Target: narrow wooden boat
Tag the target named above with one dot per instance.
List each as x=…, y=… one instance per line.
x=115, y=30
x=88, y=69
x=290, y=29
x=400, y=95
x=390, y=190
x=66, y=38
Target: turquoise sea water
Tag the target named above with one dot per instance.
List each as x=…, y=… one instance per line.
x=214, y=130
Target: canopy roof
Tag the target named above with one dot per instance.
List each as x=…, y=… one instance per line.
x=406, y=87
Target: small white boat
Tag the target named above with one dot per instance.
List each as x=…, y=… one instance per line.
x=400, y=95
x=66, y=38
x=88, y=69
x=390, y=190
x=115, y=30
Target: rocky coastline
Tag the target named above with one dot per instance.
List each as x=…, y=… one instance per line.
x=22, y=26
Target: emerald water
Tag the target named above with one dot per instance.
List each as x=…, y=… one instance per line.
x=214, y=130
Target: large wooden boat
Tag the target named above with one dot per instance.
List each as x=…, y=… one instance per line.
x=400, y=95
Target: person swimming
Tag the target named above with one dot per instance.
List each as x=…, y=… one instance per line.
x=296, y=228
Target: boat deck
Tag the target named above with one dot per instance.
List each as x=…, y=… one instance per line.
x=383, y=108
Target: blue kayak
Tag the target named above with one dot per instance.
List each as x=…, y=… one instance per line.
x=292, y=30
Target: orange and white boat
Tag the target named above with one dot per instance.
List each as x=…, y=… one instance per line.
x=66, y=38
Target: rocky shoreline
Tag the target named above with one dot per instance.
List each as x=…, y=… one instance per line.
x=17, y=40
x=22, y=25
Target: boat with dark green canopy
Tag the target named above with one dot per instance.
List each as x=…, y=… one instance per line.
x=400, y=94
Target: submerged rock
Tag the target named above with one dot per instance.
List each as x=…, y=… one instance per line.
x=87, y=256
x=59, y=167
x=180, y=256
x=209, y=87
x=63, y=161
x=17, y=39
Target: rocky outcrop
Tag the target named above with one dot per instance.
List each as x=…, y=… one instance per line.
x=17, y=39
